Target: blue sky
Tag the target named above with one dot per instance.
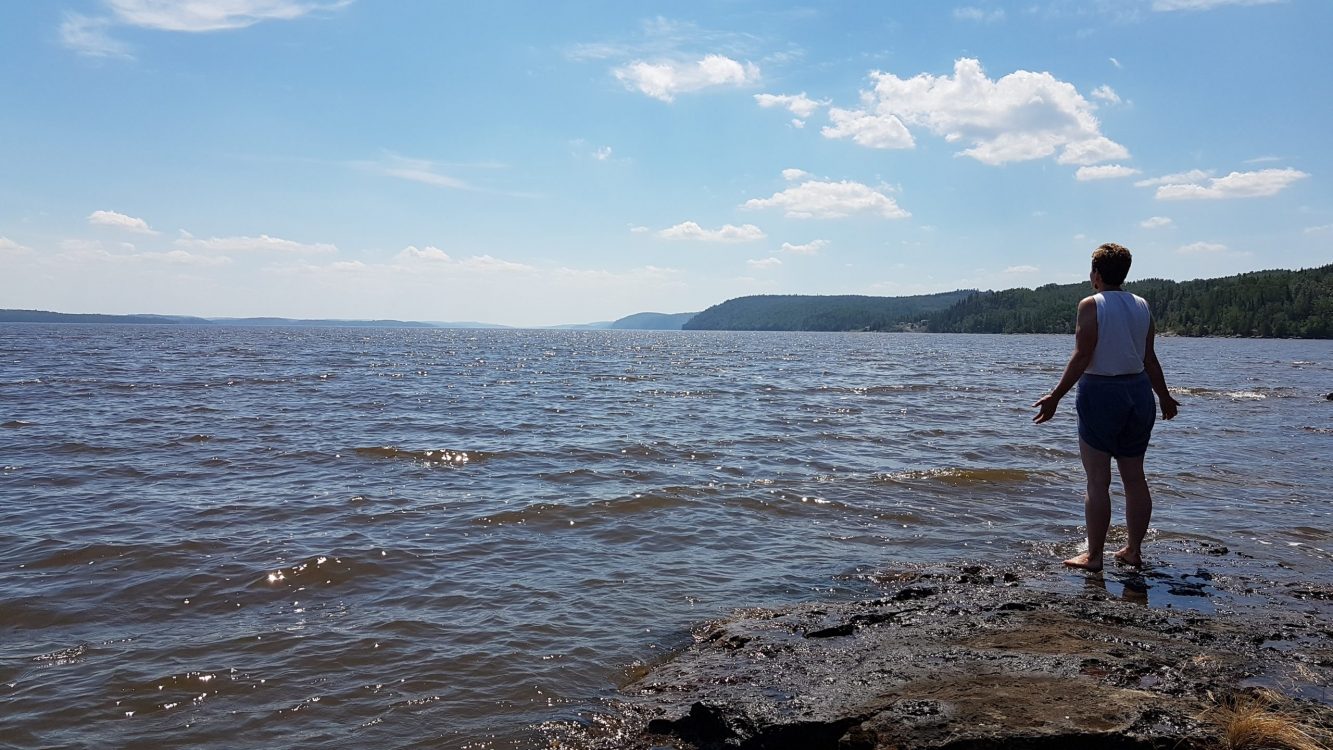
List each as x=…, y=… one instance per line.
x=542, y=163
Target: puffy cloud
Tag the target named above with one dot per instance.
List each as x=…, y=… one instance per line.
x=980, y=15
x=1202, y=248
x=790, y=175
x=1019, y=117
x=868, y=129
x=810, y=248
x=1169, y=5
x=1104, y=172
x=209, y=15
x=798, y=104
x=261, y=244
x=814, y=199
x=664, y=80
x=1106, y=94
x=689, y=230
x=1157, y=222
x=763, y=263
x=1260, y=184
x=119, y=221
x=433, y=258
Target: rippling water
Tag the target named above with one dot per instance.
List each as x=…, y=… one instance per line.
x=245, y=537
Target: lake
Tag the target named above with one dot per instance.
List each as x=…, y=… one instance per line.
x=226, y=537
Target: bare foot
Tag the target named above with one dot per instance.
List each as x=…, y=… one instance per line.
x=1084, y=562
x=1126, y=556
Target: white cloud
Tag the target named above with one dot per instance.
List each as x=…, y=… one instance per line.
x=602, y=154
x=210, y=15
x=88, y=36
x=810, y=248
x=182, y=258
x=763, y=263
x=1194, y=175
x=664, y=80
x=798, y=104
x=119, y=221
x=261, y=244
x=1021, y=270
x=1323, y=229
x=868, y=129
x=980, y=15
x=1104, y=172
x=636, y=229
x=689, y=230
x=1115, y=62
x=1019, y=117
x=797, y=123
x=791, y=175
x=415, y=170
x=1202, y=248
x=1169, y=5
x=1106, y=94
x=10, y=247
x=1157, y=222
x=1264, y=159
x=430, y=257
x=830, y=200
x=1260, y=184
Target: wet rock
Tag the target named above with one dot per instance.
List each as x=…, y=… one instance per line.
x=983, y=659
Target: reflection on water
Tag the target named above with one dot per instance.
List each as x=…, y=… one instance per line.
x=230, y=537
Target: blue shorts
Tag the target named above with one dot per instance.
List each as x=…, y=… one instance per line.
x=1116, y=413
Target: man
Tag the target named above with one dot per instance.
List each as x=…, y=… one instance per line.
x=1117, y=372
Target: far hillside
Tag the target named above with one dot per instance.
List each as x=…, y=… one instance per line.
x=652, y=321
x=795, y=312
x=1277, y=304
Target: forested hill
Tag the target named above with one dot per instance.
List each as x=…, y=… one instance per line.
x=1281, y=304
x=795, y=312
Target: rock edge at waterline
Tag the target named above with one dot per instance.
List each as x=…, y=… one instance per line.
x=978, y=658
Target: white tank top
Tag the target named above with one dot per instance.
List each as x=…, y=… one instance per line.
x=1122, y=334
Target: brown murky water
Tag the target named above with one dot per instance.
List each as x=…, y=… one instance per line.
x=232, y=537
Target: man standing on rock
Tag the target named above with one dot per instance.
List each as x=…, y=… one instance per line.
x=1117, y=372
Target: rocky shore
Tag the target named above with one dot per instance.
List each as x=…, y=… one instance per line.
x=982, y=658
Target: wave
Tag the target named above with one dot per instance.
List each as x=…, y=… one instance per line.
x=1237, y=394
x=960, y=477
x=601, y=511
x=16, y=423
x=437, y=457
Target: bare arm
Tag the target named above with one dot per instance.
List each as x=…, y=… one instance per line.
x=1085, y=342
x=1154, y=369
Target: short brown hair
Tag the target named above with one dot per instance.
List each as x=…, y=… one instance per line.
x=1112, y=262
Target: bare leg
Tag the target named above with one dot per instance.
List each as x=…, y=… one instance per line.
x=1138, y=509
x=1096, y=506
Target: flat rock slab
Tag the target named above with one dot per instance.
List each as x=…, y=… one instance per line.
x=977, y=658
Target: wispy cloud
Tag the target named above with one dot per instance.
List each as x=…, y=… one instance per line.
x=10, y=247
x=260, y=244
x=1260, y=184
x=1157, y=222
x=798, y=104
x=689, y=230
x=90, y=35
x=1106, y=94
x=665, y=80
x=1170, y=5
x=119, y=221
x=433, y=258
x=978, y=15
x=1202, y=248
x=1322, y=229
x=1193, y=175
x=763, y=263
x=816, y=199
x=1104, y=172
x=1018, y=117
x=1021, y=270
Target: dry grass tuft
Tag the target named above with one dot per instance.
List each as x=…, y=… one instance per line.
x=1257, y=720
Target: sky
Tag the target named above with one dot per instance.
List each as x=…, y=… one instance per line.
x=533, y=163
